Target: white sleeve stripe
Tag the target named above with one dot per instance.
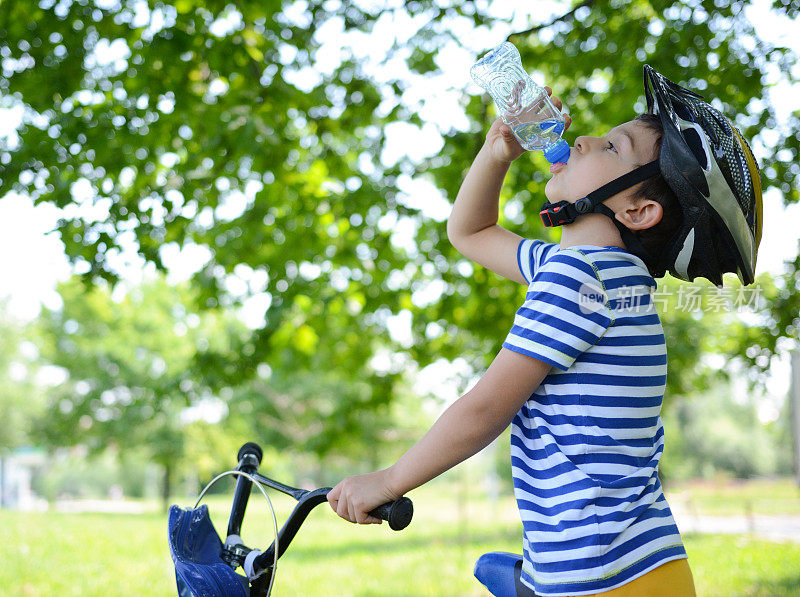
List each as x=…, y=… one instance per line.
x=524, y=267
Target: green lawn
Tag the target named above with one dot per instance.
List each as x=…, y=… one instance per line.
x=101, y=554
x=736, y=497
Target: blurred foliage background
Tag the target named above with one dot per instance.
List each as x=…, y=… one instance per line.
x=259, y=135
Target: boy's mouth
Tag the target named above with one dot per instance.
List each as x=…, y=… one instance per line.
x=555, y=168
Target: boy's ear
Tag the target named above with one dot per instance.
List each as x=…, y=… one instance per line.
x=641, y=216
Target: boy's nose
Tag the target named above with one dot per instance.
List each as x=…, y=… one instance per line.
x=583, y=143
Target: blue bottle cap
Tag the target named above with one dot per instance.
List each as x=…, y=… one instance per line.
x=558, y=153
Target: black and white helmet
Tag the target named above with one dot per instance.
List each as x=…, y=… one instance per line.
x=711, y=169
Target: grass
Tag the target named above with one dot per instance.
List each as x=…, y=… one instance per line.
x=99, y=554
x=737, y=497
x=737, y=566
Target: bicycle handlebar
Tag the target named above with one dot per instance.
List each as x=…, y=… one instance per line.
x=398, y=513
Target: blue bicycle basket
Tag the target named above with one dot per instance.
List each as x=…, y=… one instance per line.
x=195, y=548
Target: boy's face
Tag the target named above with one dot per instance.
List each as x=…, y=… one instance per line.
x=595, y=161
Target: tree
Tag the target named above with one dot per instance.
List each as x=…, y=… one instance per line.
x=777, y=326
x=721, y=432
x=128, y=360
x=132, y=380
x=20, y=397
x=237, y=128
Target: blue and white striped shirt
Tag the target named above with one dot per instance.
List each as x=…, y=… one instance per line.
x=585, y=447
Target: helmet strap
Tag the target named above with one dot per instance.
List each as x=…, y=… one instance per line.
x=564, y=212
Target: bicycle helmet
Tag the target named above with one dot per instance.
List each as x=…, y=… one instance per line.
x=711, y=169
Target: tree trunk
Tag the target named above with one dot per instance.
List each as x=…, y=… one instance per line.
x=2, y=483
x=166, y=487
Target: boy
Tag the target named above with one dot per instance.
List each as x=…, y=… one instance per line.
x=582, y=372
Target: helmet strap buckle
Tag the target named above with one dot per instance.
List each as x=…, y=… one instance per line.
x=557, y=214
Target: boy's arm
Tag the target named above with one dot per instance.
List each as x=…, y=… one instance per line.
x=465, y=428
x=472, y=227
x=472, y=422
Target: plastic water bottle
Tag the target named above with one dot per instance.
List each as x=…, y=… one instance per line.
x=522, y=104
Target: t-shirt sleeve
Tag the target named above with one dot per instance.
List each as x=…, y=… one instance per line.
x=564, y=314
x=531, y=253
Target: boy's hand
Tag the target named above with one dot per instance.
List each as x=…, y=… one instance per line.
x=504, y=145
x=355, y=497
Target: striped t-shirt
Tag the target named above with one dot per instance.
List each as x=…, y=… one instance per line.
x=585, y=446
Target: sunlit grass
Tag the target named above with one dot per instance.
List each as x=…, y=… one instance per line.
x=735, y=497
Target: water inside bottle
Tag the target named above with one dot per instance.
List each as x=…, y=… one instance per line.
x=539, y=135
x=523, y=105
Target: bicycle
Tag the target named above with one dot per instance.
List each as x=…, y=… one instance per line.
x=206, y=567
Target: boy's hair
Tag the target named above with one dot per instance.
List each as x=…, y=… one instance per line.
x=656, y=189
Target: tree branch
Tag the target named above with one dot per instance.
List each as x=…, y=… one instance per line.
x=564, y=17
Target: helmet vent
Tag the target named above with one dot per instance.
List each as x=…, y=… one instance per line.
x=696, y=145
x=683, y=112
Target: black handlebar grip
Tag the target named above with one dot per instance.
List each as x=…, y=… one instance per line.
x=250, y=448
x=398, y=514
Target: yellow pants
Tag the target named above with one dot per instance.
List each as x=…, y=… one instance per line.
x=673, y=579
